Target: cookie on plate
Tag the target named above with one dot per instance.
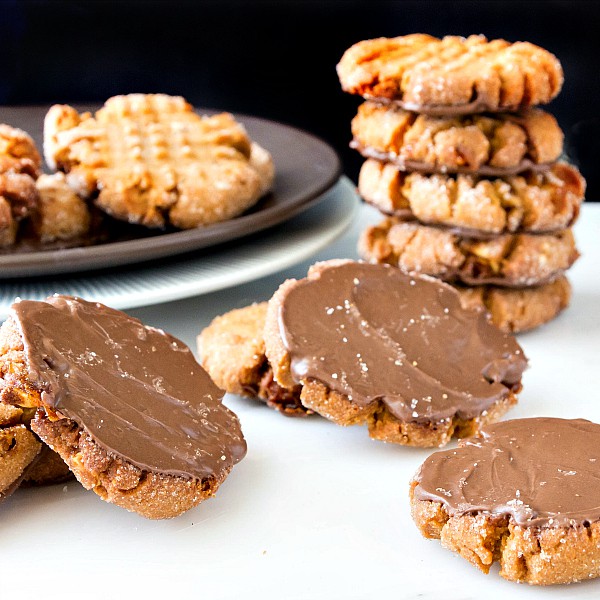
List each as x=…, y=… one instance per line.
x=480, y=207
x=510, y=260
x=518, y=309
x=150, y=159
x=125, y=405
x=232, y=350
x=525, y=493
x=492, y=145
x=371, y=345
x=18, y=152
x=18, y=200
x=453, y=75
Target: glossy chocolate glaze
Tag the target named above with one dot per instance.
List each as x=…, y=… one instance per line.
x=135, y=389
x=540, y=472
x=372, y=333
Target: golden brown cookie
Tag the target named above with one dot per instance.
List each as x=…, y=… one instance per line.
x=61, y=214
x=18, y=152
x=19, y=448
x=524, y=493
x=529, y=202
x=510, y=260
x=371, y=345
x=126, y=406
x=48, y=467
x=150, y=159
x=232, y=350
x=495, y=145
x=453, y=75
x=18, y=200
x=518, y=310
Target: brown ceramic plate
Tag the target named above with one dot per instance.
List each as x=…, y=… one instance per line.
x=305, y=167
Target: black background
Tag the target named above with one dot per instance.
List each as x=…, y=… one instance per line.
x=276, y=59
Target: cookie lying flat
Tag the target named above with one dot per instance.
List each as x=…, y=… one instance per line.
x=525, y=493
x=453, y=75
x=18, y=152
x=479, y=207
x=518, y=310
x=486, y=144
x=125, y=405
x=232, y=350
x=510, y=260
x=371, y=345
x=150, y=159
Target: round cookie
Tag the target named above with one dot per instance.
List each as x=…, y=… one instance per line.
x=525, y=493
x=125, y=405
x=509, y=260
x=491, y=145
x=18, y=152
x=150, y=159
x=453, y=75
x=232, y=350
x=371, y=345
x=517, y=310
x=478, y=207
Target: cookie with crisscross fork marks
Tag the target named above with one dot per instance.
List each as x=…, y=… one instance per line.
x=150, y=159
x=451, y=75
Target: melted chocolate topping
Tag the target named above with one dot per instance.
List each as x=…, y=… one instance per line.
x=135, y=389
x=372, y=333
x=540, y=472
x=424, y=167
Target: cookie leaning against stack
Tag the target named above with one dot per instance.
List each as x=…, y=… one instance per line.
x=360, y=343
x=466, y=169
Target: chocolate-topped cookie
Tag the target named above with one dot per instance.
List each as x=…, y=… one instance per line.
x=524, y=492
x=126, y=405
x=369, y=344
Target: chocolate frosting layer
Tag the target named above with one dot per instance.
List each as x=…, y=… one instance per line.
x=424, y=167
x=540, y=472
x=446, y=110
x=135, y=389
x=372, y=333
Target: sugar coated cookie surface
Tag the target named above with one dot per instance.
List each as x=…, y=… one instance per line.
x=508, y=260
x=453, y=75
x=477, y=206
x=372, y=345
x=150, y=159
x=524, y=492
x=492, y=145
x=126, y=406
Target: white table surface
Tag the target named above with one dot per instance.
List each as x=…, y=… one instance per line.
x=314, y=511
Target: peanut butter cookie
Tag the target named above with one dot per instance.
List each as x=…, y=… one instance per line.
x=371, y=345
x=524, y=493
x=126, y=406
x=232, y=350
x=519, y=309
x=150, y=159
x=530, y=202
x=451, y=76
x=494, y=145
x=510, y=260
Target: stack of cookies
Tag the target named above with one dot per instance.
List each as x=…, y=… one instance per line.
x=466, y=170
